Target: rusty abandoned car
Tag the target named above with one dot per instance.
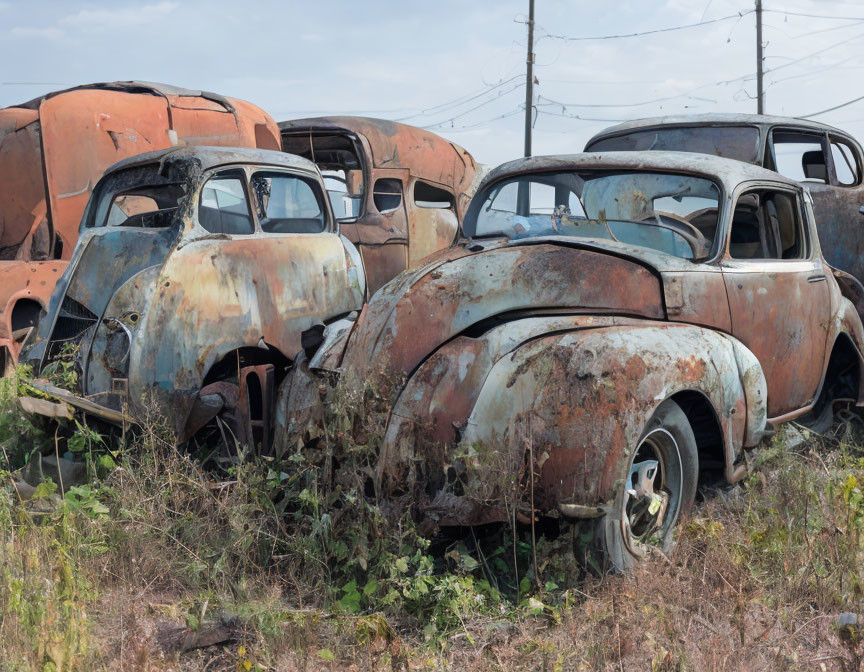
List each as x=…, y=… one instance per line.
x=399, y=192
x=197, y=272
x=55, y=148
x=826, y=160
x=610, y=331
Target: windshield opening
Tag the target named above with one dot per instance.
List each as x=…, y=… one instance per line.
x=138, y=197
x=675, y=214
x=337, y=158
x=733, y=142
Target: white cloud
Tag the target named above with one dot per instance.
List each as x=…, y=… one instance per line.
x=123, y=17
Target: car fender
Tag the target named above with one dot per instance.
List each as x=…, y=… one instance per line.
x=575, y=398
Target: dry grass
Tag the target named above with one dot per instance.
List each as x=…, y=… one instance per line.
x=161, y=549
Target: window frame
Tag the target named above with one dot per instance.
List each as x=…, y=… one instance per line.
x=330, y=224
x=724, y=199
x=321, y=197
x=823, y=142
x=803, y=223
x=242, y=174
x=856, y=155
x=383, y=193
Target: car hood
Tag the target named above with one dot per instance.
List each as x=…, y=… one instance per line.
x=468, y=290
x=103, y=261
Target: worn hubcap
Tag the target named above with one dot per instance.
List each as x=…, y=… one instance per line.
x=651, y=499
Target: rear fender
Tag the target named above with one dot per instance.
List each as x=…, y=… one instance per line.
x=576, y=400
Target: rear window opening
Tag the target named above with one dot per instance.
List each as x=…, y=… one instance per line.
x=138, y=197
x=340, y=164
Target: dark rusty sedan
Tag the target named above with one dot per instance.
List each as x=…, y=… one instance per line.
x=610, y=332
x=827, y=161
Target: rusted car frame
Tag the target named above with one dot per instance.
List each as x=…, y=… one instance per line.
x=398, y=191
x=199, y=274
x=54, y=149
x=537, y=366
x=826, y=160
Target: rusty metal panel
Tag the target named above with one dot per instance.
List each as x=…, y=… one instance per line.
x=23, y=280
x=84, y=132
x=574, y=392
x=784, y=320
x=697, y=297
x=440, y=301
x=22, y=188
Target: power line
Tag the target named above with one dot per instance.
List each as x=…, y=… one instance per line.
x=579, y=117
x=557, y=103
x=465, y=127
x=459, y=101
x=815, y=53
x=831, y=109
x=476, y=107
x=815, y=16
x=739, y=15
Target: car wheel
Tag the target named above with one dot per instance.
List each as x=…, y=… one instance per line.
x=657, y=493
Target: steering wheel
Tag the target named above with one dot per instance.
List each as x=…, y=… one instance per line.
x=677, y=224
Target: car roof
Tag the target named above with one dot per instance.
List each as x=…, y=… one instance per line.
x=210, y=157
x=396, y=145
x=729, y=171
x=713, y=119
x=152, y=88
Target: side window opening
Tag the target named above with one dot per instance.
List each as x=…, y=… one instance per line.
x=845, y=163
x=224, y=207
x=429, y=196
x=288, y=203
x=800, y=156
x=767, y=225
x=387, y=194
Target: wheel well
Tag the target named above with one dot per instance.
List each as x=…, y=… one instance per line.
x=25, y=313
x=842, y=375
x=227, y=367
x=708, y=433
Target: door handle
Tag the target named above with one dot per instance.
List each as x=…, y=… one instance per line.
x=816, y=278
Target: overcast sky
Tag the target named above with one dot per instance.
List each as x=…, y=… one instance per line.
x=412, y=60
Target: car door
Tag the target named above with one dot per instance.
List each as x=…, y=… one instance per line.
x=829, y=166
x=778, y=294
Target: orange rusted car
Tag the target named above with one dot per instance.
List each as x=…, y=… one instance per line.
x=55, y=148
x=398, y=192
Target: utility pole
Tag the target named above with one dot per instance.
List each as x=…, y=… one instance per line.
x=529, y=79
x=760, y=92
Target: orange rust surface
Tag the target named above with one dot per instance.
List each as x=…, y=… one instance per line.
x=53, y=150
x=24, y=280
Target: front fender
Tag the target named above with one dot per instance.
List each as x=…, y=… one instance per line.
x=578, y=399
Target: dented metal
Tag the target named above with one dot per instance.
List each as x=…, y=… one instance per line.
x=203, y=292
x=545, y=356
x=409, y=188
x=54, y=149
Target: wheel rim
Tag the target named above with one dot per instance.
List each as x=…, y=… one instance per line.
x=652, y=493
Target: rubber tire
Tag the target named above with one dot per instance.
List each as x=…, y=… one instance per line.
x=607, y=544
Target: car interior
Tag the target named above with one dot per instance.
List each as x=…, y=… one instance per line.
x=765, y=225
